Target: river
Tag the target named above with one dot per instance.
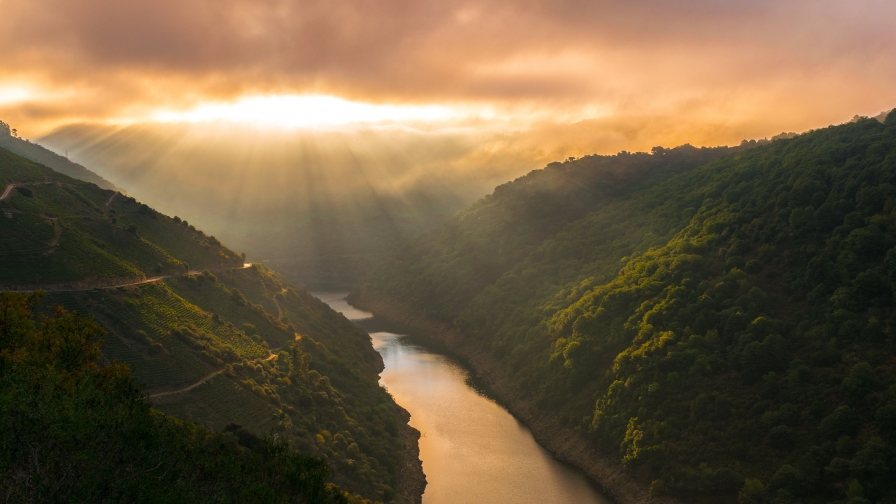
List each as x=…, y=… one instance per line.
x=473, y=450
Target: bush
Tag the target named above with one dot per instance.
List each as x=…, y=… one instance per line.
x=787, y=478
x=860, y=381
x=753, y=492
x=843, y=421
x=782, y=438
x=837, y=469
x=872, y=462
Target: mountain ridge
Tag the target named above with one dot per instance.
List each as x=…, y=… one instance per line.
x=725, y=333
x=42, y=155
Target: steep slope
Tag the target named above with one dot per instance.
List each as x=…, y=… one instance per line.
x=80, y=431
x=444, y=270
x=271, y=362
x=57, y=229
x=46, y=157
x=325, y=205
x=726, y=333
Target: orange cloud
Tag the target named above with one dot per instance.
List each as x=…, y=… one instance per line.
x=788, y=64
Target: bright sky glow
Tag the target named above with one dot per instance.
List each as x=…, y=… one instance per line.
x=14, y=94
x=305, y=111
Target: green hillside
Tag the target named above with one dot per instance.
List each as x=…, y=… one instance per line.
x=724, y=328
x=77, y=430
x=57, y=230
x=234, y=349
x=46, y=157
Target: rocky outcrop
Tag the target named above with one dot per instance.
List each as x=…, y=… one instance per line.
x=411, y=482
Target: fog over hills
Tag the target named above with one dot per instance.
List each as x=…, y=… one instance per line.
x=296, y=195
x=39, y=154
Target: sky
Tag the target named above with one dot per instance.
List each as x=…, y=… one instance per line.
x=407, y=110
x=575, y=76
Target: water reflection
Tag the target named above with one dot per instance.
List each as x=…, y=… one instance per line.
x=337, y=301
x=473, y=451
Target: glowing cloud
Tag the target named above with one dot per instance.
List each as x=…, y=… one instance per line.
x=15, y=94
x=305, y=111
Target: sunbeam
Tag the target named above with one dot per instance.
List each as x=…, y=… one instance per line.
x=305, y=111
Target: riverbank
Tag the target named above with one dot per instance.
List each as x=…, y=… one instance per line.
x=411, y=481
x=564, y=444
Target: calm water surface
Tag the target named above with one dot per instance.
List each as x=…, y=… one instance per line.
x=473, y=451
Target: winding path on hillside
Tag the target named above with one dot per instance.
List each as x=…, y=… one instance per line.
x=111, y=198
x=51, y=288
x=57, y=232
x=279, y=310
x=11, y=186
x=204, y=379
x=55, y=241
x=189, y=387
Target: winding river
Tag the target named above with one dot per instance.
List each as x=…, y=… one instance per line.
x=473, y=450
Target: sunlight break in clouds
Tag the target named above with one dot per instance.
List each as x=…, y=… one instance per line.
x=14, y=94
x=307, y=111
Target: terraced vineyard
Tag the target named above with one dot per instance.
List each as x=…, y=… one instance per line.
x=177, y=237
x=24, y=234
x=320, y=391
x=97, y=241
x=257, y=283
x=313, y=389
x=211, y=295
x=176, y=367
x=165, y=316
x=218, y=402
x=144, y=255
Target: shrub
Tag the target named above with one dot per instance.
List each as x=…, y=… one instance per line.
x=787, y=478
x=753, y=492
x=843, y=421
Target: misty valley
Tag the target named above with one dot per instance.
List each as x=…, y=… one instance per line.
x=712, y=324
x=447, y=252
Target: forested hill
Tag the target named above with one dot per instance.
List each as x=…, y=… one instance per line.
x=55, y=229
x=78, y=430
x=132, y=343
x=442, y=271
x=726, y=331
x=46, y=157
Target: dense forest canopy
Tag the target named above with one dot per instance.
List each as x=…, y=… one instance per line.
x=721, y=321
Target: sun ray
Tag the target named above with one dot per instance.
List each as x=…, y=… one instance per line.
x=304, y=111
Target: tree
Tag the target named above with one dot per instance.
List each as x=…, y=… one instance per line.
x=753, y=492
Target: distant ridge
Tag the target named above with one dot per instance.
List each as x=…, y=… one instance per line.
x=46, y=157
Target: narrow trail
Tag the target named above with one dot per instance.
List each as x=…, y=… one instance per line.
x=9, y=188
x=111, y=198
x=204, y=379
x=279, y=310
x=190, y=387
x=57, y=232
x=126, y=284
